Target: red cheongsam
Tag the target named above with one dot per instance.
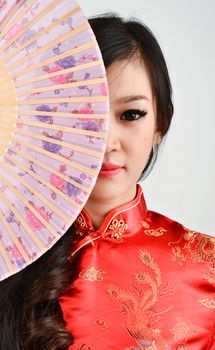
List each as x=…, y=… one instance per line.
x=143, y=281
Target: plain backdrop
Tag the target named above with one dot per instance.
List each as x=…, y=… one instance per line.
x=181, y=184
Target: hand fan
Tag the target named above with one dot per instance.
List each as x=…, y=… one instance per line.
x=53, y=124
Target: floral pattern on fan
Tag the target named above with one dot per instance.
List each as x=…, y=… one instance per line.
x=53, y=122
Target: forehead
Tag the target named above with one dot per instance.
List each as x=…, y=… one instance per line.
x=127, y=78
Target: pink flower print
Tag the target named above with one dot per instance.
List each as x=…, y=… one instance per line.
x=63, y=168
x=16, y=256
x=103, y=89
x=85, y=110
x=14, y=30
x=3, y=4
x=15, y=252
x=33, y=221
x=57, y=181
x=59, y=79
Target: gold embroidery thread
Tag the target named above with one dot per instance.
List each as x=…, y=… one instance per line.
x=155, y=232
x=183, y=330
x=210, y=304
x=118, y=227
x=92, y=274
x=140, y=305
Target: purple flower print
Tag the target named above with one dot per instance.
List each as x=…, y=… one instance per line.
x=87, y=76
x=83, y=176
x=20, y=262
x=11, y=218
x=68, y=21
x=72, y=190
x=51, y=147
x=28, y=35
x=44, y=118
x=67, y=62
x=90, y=125
x=56, y=50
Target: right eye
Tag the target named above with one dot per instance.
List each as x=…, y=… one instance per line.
x=133, y=114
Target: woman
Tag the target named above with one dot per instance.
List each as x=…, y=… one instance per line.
x=133, y=278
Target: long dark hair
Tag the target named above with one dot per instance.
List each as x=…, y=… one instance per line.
x=30, y=314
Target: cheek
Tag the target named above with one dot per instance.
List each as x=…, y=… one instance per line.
x=142, y=144
x=138, y=141
x=139, y=152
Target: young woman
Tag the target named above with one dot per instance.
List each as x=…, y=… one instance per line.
x=123, y=277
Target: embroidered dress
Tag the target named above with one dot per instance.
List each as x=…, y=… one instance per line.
x=143, y=281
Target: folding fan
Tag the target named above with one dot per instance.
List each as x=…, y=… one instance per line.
x=53, y=124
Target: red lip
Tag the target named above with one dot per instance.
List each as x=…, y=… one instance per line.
x=110, y=166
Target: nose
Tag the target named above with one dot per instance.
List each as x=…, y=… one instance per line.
x=113, y=137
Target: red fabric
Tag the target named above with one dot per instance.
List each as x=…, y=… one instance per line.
x=144, y=282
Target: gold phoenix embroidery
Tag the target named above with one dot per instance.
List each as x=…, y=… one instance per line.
x=140, y=305
x=92, y=274
x=198, y=247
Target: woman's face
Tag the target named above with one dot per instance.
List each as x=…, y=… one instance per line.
x=132, y=132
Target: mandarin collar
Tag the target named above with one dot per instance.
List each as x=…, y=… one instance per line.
x=120, y=221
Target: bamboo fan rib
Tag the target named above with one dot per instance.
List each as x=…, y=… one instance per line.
x=28, y=205
x=10, y=9
x=50, y=45
x=55, y=74
x=62, y=100
x=60, y=114
x=53, y=125
x=41, y=33
x=54, y=156
x=62, y=128
x=61, y=143
x=30, y=23
x=14, y=238
x=5, y=256
x=61, y=86
x=48, y=61
x=37, y=193
x=49, y=169
x=7, y=25
x=23, y=223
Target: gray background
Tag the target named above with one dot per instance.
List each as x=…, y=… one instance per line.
x=181, y=185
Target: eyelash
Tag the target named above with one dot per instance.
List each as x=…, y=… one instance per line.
x=141, y=113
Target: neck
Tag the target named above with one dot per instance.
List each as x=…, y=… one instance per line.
x=98, y=208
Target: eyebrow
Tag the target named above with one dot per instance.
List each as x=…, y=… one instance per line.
x=130, y=98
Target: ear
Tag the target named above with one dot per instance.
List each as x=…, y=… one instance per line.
x=157, y=138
